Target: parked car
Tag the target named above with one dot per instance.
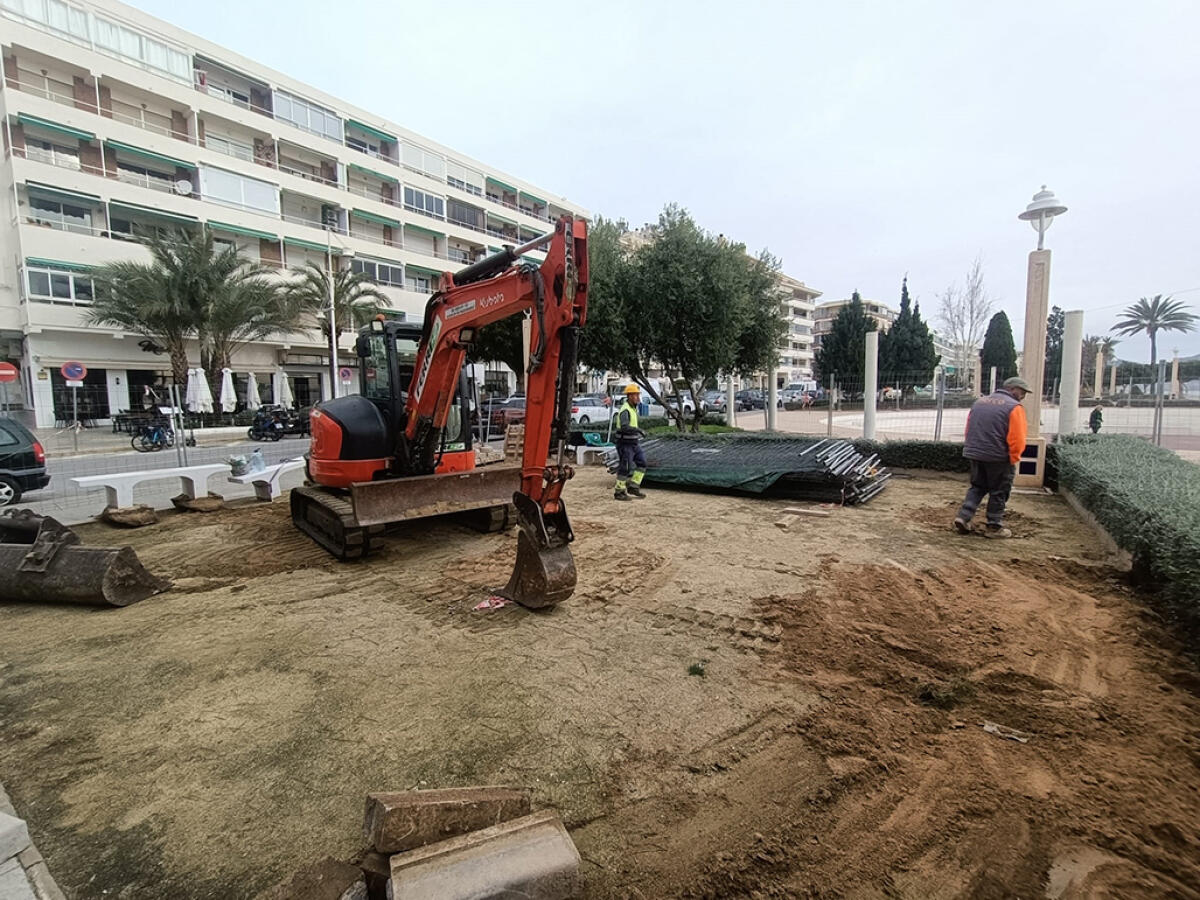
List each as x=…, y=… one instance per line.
x=685, y=399
x=587, y=409
x=715, y=401
x=22, y=462
x=506, y=412
x=751, y=399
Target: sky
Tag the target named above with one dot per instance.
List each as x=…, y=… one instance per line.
x=858, y=141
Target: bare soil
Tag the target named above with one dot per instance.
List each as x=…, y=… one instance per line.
x=209, y=741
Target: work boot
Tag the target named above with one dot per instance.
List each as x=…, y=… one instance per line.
x=621, y=495
x=961, y=526
x=997, y=531
x=636, y=491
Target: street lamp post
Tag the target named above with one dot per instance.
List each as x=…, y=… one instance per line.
x=333, y=348
x=1039, y=214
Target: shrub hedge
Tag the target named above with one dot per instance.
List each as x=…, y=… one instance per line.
x=1148, y=499
x=939, y=456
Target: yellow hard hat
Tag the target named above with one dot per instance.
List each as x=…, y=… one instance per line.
x=632, y=389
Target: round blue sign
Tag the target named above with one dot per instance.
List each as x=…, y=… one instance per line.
x=73, y=371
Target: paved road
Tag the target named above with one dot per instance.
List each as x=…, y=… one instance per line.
x=71, y=503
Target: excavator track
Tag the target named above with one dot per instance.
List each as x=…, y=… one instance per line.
x=329, y=520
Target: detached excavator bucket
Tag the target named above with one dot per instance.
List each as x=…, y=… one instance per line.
x=544, y=573
x=41, y=561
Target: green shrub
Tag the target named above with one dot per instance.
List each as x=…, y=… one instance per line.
x=1148, y=500
x=938, y=456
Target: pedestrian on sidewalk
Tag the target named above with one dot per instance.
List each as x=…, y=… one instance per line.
x=995, y=440
x=1096, y=419
x=631, y=462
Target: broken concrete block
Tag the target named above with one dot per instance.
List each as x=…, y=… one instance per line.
x=327, y=879
x=532, y=857
x=14, y=836
x=130, y=516
x=406, y=819
x=377, y=871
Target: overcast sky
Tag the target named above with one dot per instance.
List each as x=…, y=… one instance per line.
x=856, y=141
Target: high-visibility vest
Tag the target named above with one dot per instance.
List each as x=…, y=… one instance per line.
x=625, y=407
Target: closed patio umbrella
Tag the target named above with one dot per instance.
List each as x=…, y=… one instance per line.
x=252, y=400
x=228, y=395
x=283, y=390
x=202, y=402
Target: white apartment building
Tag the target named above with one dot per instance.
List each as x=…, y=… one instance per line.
x=116, y=124
x=798, y=305
x=824, y=315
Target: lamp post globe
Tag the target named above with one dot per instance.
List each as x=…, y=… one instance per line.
x=1041, y=212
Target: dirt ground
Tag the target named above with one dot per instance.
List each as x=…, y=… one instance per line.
x=209, y=741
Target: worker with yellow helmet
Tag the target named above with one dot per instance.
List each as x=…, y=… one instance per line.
x=631, y=462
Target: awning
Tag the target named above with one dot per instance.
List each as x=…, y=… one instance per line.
x=378, y=175
x=507, y=187
x=60, y=194
x=382, y=135
x=57, y=264
x=433, y=272
x=492, y=215
x=311, y=245
x=248, y=232
x=153, y=211
x=529, y=196
x=371, y=217
x=55, y=127
x=424, y=230
x=149, y=154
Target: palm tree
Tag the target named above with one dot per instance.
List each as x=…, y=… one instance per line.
x=1152, y=316
x=356, y=299
x=187, y=291
x=250, y=306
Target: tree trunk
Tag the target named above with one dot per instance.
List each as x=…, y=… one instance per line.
x=1153, y=362
x=179, y=364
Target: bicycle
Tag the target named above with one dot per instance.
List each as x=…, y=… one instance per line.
x=152, y=438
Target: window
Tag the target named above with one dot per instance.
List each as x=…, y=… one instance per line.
x=419, y=201
x=464, y=179
x=464, y=214
x=229, y=95
x=223, y=245
x=423, y=161
x=308, y=116
x=126, y=228
x=379, y=272
x=132, y=173
x=58, y=286
x=150, y=53
x=229, y=146
x=419, y=282
x=361, y=145
x=62, y=216
x=55, y=14
x=55, y=154
x=238, y=190
x=7, y=439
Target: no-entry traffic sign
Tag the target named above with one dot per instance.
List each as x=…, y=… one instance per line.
x=345, y=374
x=8, y=373
x=73, y=371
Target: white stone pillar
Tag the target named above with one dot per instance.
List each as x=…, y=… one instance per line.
x=871, y=385
x=977, y=376
x=117, y=384
x=1175, y=377
x=1099, y=374
x=1072, y=361
x=1033, y=360
x=1112, y=379
x=730, y=402
x=992, y=390
x=772, y=399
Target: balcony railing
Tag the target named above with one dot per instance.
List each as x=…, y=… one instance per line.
x=478, y=228
x=375, y=154
x=306, y=175
x=424, y=212
x=155, y=184
x=71, y=227
x=371, y=193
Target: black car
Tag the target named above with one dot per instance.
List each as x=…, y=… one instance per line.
x=751, y=399
x=22, y=462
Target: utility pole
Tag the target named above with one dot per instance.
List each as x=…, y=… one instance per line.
x=333, y=342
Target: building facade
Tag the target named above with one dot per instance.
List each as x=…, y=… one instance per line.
x=117, y=125
x=824, y=315
x=798, y=305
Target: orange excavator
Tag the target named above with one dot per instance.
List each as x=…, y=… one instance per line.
x=401, y=448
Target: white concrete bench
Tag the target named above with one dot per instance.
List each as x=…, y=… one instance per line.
x=119, y=485
x=266, y=481
x=583, y=450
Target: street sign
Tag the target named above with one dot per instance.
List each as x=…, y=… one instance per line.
x=75, y=384
x=73, y=371
x=8, y=373
x=345, y=374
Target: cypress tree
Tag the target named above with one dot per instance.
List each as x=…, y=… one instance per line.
x=906, y=353
x=998, y=350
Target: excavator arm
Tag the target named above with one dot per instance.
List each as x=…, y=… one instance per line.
x=555, y=296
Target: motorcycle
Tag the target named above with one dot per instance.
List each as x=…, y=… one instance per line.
x=271, y=423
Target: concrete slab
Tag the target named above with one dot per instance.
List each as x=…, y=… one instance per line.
x=13, y=883
x=14, y=836
x=403, y=820
x=532, y=857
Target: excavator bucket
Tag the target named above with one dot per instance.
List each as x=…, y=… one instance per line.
x=544, y=573
x=41, y=560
